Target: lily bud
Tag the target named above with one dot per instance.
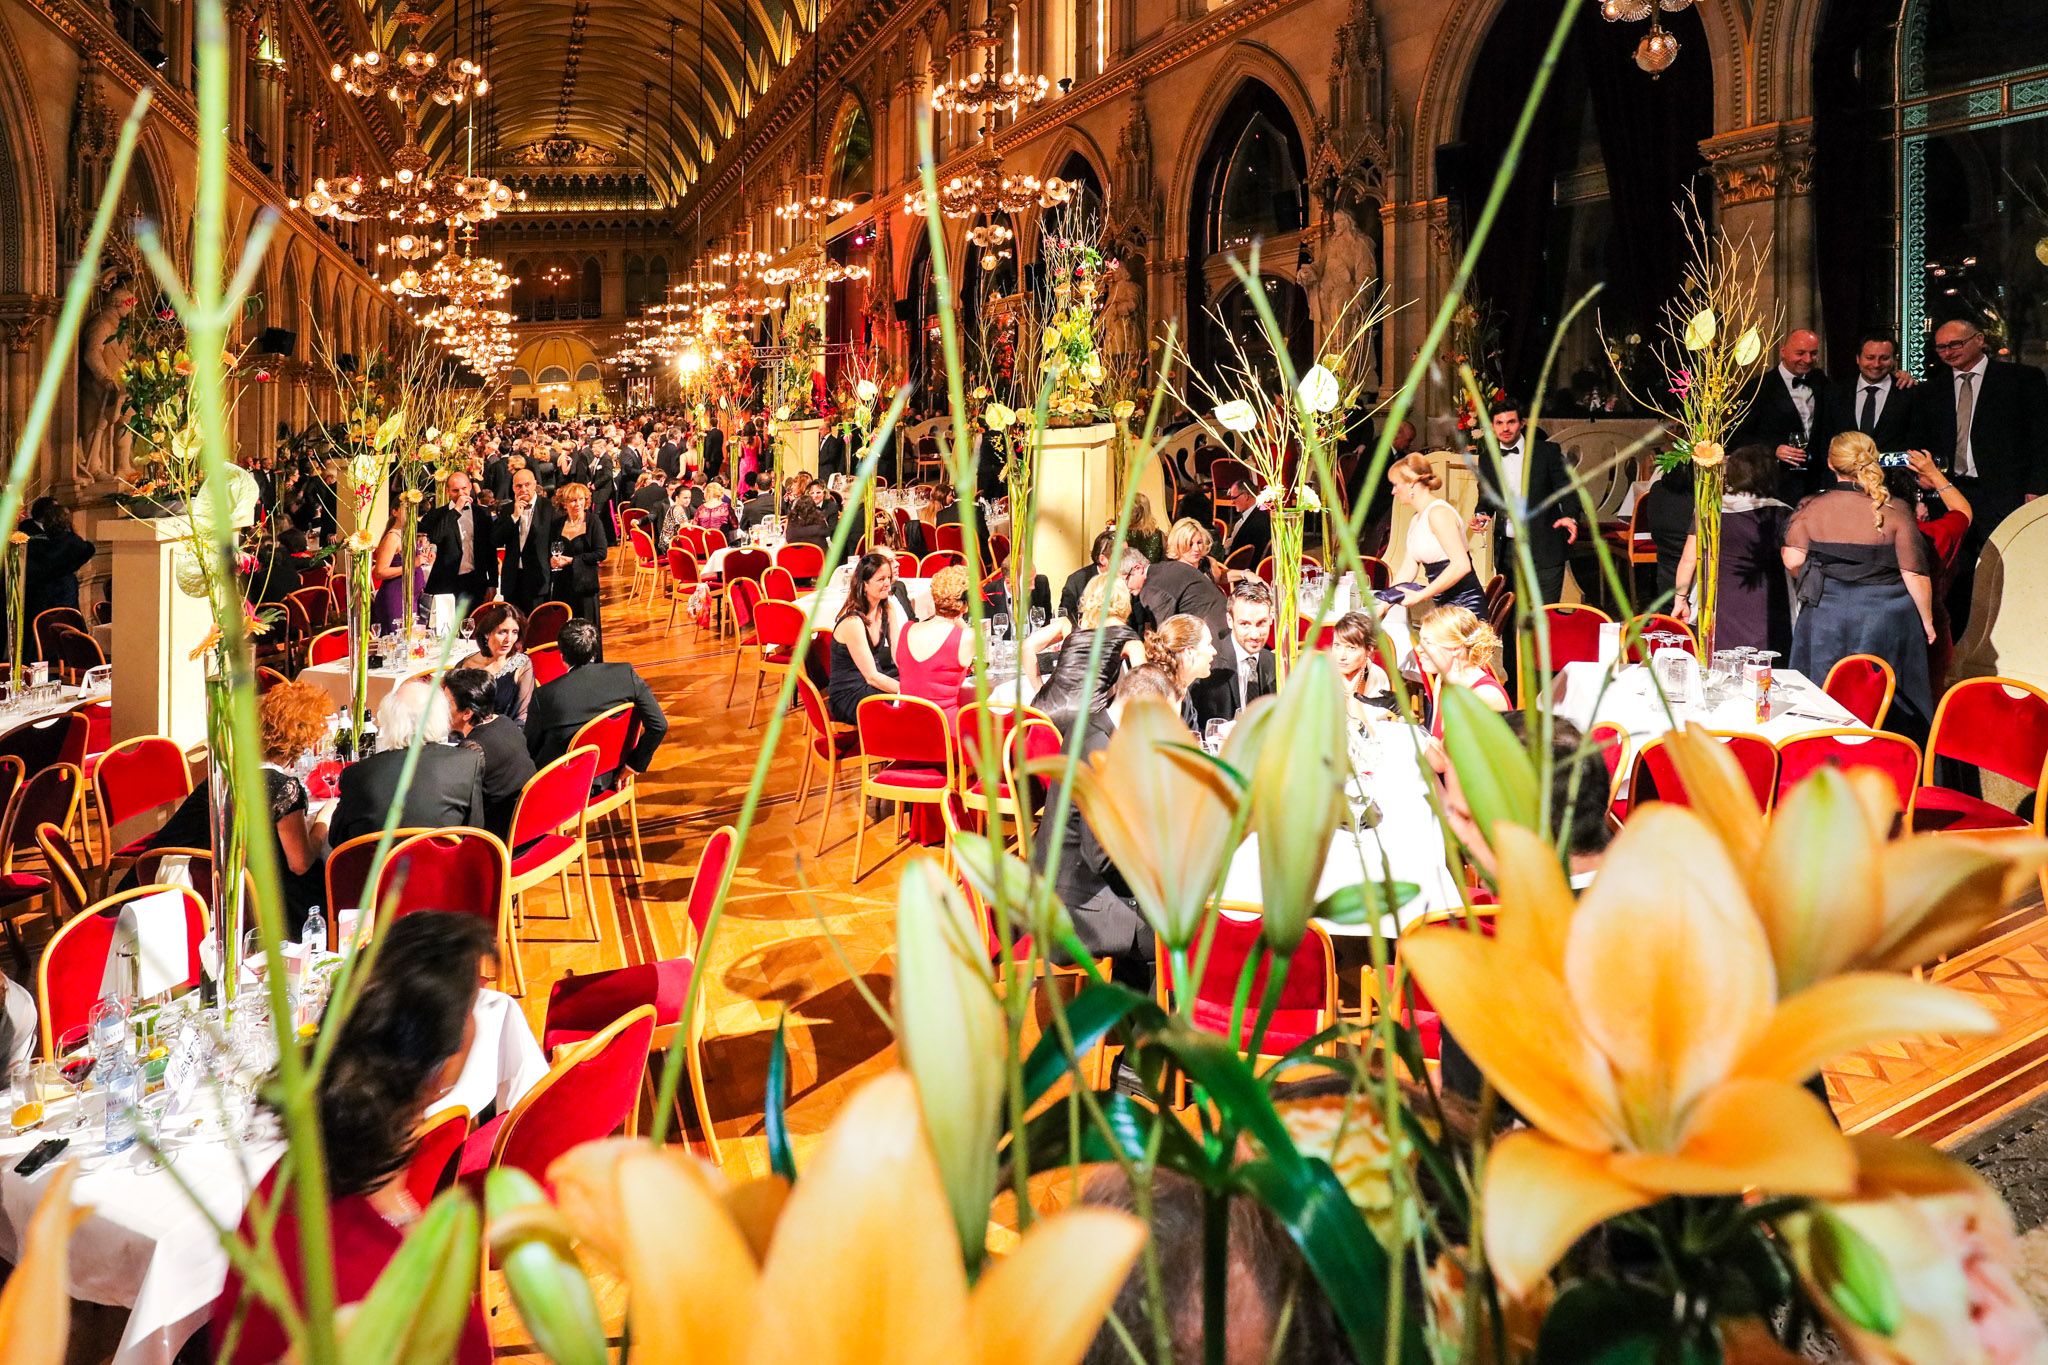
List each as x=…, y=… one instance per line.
x=1298, y=796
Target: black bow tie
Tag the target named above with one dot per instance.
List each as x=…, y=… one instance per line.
x=1802, y=381
x=1506, y=451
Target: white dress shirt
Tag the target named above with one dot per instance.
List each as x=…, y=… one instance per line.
x=1802, y=395
x=1863, y=391
x=1514, y=490
x=467, y=528
x=1966, y=455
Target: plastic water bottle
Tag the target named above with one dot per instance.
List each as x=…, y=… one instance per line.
x=314, y=938
x=122, y=1080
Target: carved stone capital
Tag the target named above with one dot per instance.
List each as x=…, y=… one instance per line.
x=22, y=317
x=1768, y=161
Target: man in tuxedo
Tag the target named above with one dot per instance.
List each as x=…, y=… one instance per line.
x=669, y=458
x=1782, y=416
x=1984, y=420
x=761, y=506
x=447, y=785
x=1243, y=669
x=651, y=497
x=498, y=473
x=1875, y=404
x=1538, y=483
x=526, y=527
x=460, y=532
x=560, y=708
x=711, y=451
x=832, y=454
x=1253, y=527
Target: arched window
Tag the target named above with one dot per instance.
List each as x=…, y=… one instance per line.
x=636, y=284
x=554, y=374
x=1248, y=188
x=657, y=279
x=853, y=152
x=1079, y=171
x=587, y=373
x=593, y=287
x=1091, y=38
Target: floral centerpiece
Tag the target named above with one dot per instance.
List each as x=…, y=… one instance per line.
x=17, y=622
x=1070, y=362
x=367, y=445
x=861, y=378
x=1713, y=348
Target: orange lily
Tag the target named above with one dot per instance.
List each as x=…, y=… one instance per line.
x=1640, y=1033
x=1833, y=891
x=35, y=1303
x=857, y=1265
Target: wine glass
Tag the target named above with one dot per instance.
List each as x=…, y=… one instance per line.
x=1213, y=734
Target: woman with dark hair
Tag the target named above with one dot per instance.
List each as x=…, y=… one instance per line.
x=401, y=1049
x=500, y=630
x=1754, y=607
x=1366, y=685
x=863, y=638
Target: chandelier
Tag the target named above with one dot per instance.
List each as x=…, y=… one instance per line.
x=987, y=92
x=985, y=190
x=1659, y=47
x=413, y=74
x=993, y=239
x=812, y=269
x=815, y=207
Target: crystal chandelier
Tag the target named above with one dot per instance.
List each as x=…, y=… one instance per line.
x=815, y=207
x=411, y=75
x=985, y=190
x=993, y=239
x=987, y=92
x=812, y=269
x=1659, y=47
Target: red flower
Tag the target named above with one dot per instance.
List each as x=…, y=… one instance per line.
x=263, y=376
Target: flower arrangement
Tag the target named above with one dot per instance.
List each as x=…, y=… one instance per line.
x=1714, y=346
x=17, y=623
x=366, y=446
x=1070, y=359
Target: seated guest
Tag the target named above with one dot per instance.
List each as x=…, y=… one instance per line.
x=1668, y=518
x=447, y=785
x=473, y=719
x=1136, y=569
x=1182, y=648
x=935, y=657
x=864, y=638
x=761, y=506
x=1366, y=685
x=499, y=631
x=716, y=512
x=1105, y=612
x=808, y=524
x=1180, y=583
x=278, y=567
x=1077, y=581
x=402, y=1048
x=1754, y=606
x=1454, y=646
x=1435, y=564
x=585, y=692
x=650, y=497
x=1244, y=669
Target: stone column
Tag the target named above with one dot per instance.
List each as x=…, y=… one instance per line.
x=23, y=319
x=1763, y=184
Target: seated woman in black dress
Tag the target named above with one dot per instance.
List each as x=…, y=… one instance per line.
x=1863, y=577
x=580, y=546
x=863, y=638
x=1105, y=611
x=500, y=631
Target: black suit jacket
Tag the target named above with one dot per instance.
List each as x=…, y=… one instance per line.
x=2006, y=434
x=755, y=508
x=1548, y=483
x=1172, y=588
x=526, y=580
x=831, y=454
x=1773, y=420
x=564, y=706
x=711, y=452
x=1215, y=697
x=669, y=460
x=507, y=765
x=443, y=529
x=498, y=477
x=447, y=789
x=1839, y=410
x=1254, y=528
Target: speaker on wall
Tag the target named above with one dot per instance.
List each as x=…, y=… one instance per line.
x=345, y=362
x=906, y=311
x=277, y=341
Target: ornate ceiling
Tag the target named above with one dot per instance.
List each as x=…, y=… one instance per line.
x=570, y=78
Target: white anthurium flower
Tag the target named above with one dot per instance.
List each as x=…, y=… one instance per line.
x=999, y=417
x=865, y=391
x=1700, y=330
x=1237, y=415
x=1748, y=347
x=782, y=413
x=1320, y=389
x=1310, y=500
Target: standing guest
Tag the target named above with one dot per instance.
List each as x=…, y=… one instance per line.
x=447, y=786
x=1180, y=583
x=526, y=531
x=749, y=464
x=1875, y=404
x=1434, y=559
x=711, y=451
x=589, y=689
x=832, y=452
x=602, y=473
x=1366, y=685
x=1105, y=611
x=1455, y=646
x=1754, y=602
x=761, y=506
x=278, y=568
x=460, y=532
x=651, y=497
x=1537, y=484
x=1182, y=648
x=1782, y=415
x=498, y=471
x=1982, y=420
x=1244, y=668
x=402, y=1048
x=934, y=657
x=668, y=458
x=1668, y=516
x=315, y=506
x=1945, y=515
x=1145, y=535
x=577, y=553
x=51, y=559
x=473, y=719
x=1251, y=533
x=1864, y=586
x=863, y=638
x=500, y=630
x=388, y=570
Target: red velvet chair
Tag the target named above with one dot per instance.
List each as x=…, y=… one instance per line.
x=779, y=585
x=1574, y=634
x=439, y=1137
x=1999, y=725
x=44, y=628
x=906, y=564
x=1655, y=777
x=690, y=538
x=683, y=575
x=999, y=550
x=1308, y=999
x=646, y=565
x=546, y=623
x=1022, y=737
x=906, y=756
x=740, y=566
x=134, y=776
x=1376, y=573
x=590, y=1093
x=67, y=869
x=462, y=870
x=711, y=538
x=828, y=743
x=937, y=560
x=613, y=733
x=548, y=663
x=949, y=537
x=76, y=654
x=548, y=831
x=743, y=600
x=328, y=647
x=1863, y=684
x=1659, y=622
x=804, y=561
x=778, y=633
x=348, y=869
x=1611, y=739
x=74, y=961
x=1897, y=757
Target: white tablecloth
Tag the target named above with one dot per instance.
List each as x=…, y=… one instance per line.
x=147, y=1249
x=333, y=679
x=1409, y=839
x=66, y=700
x=920, y=590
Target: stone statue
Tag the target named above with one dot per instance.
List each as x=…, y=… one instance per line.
x=1347, y=264
x=104, y=439
x=1123, y=311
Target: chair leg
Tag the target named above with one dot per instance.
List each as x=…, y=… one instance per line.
x=513, y=967
x=633, y=824
x=754, y=697
x=803, y=783
x=735, y=687
x=568, y=906
x=860, y=826
x=589, y=895
x=695, y=1063
x=831, y=792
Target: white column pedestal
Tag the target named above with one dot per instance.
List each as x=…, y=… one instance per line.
x=1075, y=497
x=801, y=451
x=159, y=688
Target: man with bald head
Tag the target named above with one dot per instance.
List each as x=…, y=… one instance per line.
x=1788, y=400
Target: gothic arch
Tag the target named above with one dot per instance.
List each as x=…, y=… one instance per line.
x=1074, y=141
x=28, y=256
x=1455, y=51
x=1244, y=62
x=1785, y=34
x=152, y=192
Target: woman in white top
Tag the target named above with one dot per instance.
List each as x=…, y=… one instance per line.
x=1434, y=555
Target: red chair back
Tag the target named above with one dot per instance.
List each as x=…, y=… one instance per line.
x=461, y=870
x=711, y=865
x=11, y=771
x=949, y=537
x=937, y=560
x=611, y=734
x=632, y=517
x=1863, y=685
x=99, y=727
x=75, y=960
x=1308, y=999
x=711, y=538
x=555, y=796
x=67, y=869
x=38, y=743
x=1655, y=777
x=682, y=564
x=822, y=728
x=138, y=774
x=643, y=547
x=1897, y=757
x=311, y=605
x=548, y=663
x=691, y=539
x=581, y=1007
x=439, y=1138
x=779, y=585
x=45, y=628
x=745, y=596
x=49, y=797
x=999, y=550
x=1658, y=622
x=1226, y=473
x=1999, y=724
x=545, y=625
x=1376, y=573
x=348, y=868
x=906, y=564
x=329, y=646
x=900, y=729
x=779, y=628
x=802, y=559
x=77, y=653
x=747, y=564
x=1574, y=634
x=585, y=1097
x=267, y=678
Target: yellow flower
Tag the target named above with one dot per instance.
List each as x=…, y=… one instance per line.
x=18, y=538
x=35, y=1303
x=751, y=1275
x=1640, y=1033
x=211, y=639
x=1123, y=409
x=413, y=496
x=1708, y=454
x=1873, y=903
x=998, y=416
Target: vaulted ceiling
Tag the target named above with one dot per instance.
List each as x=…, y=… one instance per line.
x=571, y=78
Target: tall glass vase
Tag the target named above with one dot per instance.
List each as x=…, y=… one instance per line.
x=1709, y=483
x=230, y=886
x=361, y=589
x=1287, y=540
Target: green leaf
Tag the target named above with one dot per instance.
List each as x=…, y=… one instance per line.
x=1602, y=1322
x=1492, y=766
x=1363, y=902
x=1100, y=1007
x=1048, y=1139
x=1212, y=1063
x=774, y=1122
x=415, y=1313
x=1851, y=1273
x=533, y=1248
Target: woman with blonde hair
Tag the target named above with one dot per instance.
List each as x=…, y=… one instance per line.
x=1179, y=584
x=576, y=554
x=935, y=656
x=1863, y=576
x=1455, y=646
x=1105, y=611
x=1145, y=534
x=1434, y=559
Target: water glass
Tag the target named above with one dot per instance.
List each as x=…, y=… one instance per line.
x=1675, y=672
x=1213, y=733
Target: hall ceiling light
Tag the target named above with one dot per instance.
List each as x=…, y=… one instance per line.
x=1659, y=47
